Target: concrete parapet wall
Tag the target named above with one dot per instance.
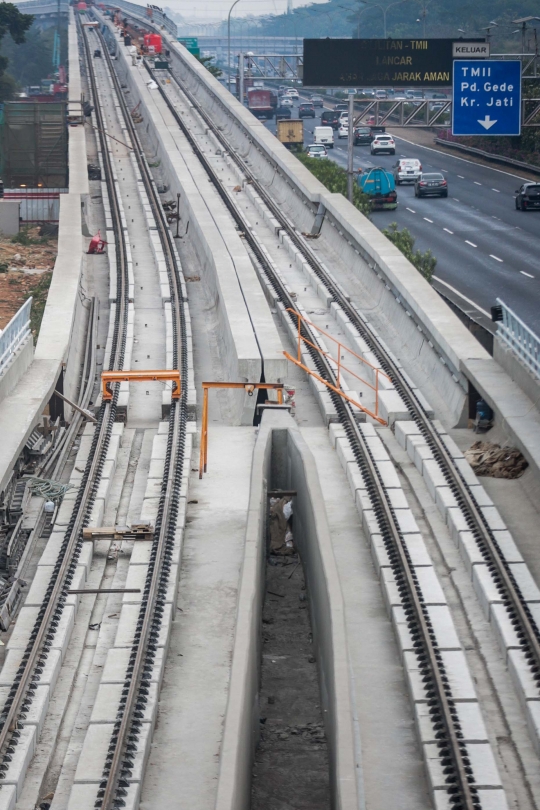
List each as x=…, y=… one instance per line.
x=282, y=459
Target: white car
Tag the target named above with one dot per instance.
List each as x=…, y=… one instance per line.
x=343, y=130
x=316, y=150
x=383, y=143
x=407, y=170
x=286, y=101
x=292, y=93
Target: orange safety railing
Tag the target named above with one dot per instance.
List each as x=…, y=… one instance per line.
x=249, y=388
x=341, y=367
x=108, y=377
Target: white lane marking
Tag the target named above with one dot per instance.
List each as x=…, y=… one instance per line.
x=495, y=257
x=470, y=243
x=428, y=220
x=476, y=183
x=455, y=157
x=496, y=189
x=411, y=210
x=457, y=292
x=403, y=155
x=523, y=273
x=448, y=231
x=461, y=177
x=455, y=198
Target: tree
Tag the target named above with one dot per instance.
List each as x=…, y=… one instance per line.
x=208, y=62
x=14, y=23
x=424, y=262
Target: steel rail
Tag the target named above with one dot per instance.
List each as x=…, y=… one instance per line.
x=117, y=769
x=489, y=547
x=64, y=570
x=433, y=669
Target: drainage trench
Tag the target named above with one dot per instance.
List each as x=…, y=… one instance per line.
x=291, y=762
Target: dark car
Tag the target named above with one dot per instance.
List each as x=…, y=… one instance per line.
x=306, y=110
x=317, y=101
x=528, y=196
x=283, y=112
x=431, y=183
x=97, y=53
x=362, y=135
x=330, y=118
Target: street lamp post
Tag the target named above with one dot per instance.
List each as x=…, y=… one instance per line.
x=423, y=14
x=384, y=10
x=229, y=41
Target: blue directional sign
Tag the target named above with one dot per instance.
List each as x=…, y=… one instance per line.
x=486, y=97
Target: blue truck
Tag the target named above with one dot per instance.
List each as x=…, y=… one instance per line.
x=380, y=187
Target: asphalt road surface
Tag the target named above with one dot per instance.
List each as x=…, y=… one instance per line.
x=485, y=249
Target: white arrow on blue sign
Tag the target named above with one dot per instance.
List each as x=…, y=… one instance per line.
x=486, y=97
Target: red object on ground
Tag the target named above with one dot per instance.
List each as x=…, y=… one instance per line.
x=82, y=6
x=97, y=244
x=152, y=43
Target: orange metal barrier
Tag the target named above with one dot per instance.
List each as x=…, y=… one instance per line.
x=250, y=388
x=340, y=366
x=108, y=377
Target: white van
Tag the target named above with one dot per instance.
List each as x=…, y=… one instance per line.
x=324, y=135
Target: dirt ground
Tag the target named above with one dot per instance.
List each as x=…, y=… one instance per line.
x=25, y=269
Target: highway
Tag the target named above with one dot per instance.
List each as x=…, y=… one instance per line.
x=485, y=249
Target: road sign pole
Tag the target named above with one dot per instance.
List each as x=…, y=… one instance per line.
x=350, y=150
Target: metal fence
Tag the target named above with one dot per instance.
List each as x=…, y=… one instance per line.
x=14, y=334
x=519, y=338
x=37, y=204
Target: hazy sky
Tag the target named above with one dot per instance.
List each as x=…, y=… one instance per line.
x=218, y=9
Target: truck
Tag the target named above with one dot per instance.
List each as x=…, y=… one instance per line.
x=290, y=133
x=380, y=187
x=261, y=102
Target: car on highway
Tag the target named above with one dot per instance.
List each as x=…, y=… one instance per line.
x=306, y=110
x=343, y=130
x=324, y=135
x=407, y=170
x=286, y=101
x=528, y=197
x=283, y=112
x=316, y=150
x=292, y=93
x=370, y=120
x=317, y=101
x=381, y=94
x=383, y=142
x=431, y=183
x=330, y=118
x=362, y=135
x=342, y=108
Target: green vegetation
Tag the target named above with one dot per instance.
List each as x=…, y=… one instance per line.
x=404, y=241
x=335, y=180
x=208, y=62
x=345, y=18
x=15, y=24
x=39, y=296
x=24, y=238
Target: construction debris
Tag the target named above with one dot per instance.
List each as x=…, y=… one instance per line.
x=489, y=459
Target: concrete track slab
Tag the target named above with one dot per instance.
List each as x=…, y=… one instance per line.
x=392, y=767
x=194, y=694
